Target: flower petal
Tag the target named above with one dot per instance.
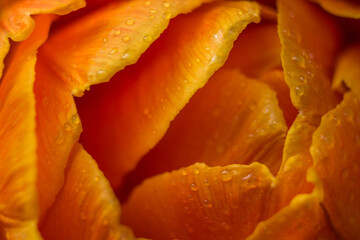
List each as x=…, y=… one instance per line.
x=17, y=24
x=86, y=207
x=303, y=218
x=347, y=70
x=92, y=49
x=200, y=202
x=232, y=119
x=307, y=67
x=335, y=150
x=256, y=50
x=276, y=81
x=58, y=129
x=341, y=8
x=18, y=193
x=126, y=117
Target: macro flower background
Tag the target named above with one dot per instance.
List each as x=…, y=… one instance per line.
x=169, y=119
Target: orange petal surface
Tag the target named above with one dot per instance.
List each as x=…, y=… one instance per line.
x=341, y=8
x=303, y=218
x=200, y=202
x=307, y=67
x=58, y=129
x=17, y=24
x=336, y=150
x=86, y=207
x=256, y=50
x=95, y=47
x=347, y=73
x=126, y=117
x=276, y=81
x=232, y=119
x=18, y=194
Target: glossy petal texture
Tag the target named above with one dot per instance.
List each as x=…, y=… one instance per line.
x=302, y=219
x=200, y=202
x=125, y=118
x=18, y=194
x=232, y=119
x=17, y=24
x=276, y=81
x=347, y=73
x=86, y=207
x=256, y=50
x=92, y=49
x=58, y=129
x=341, y=8
x=336, y=150
x=307, y=67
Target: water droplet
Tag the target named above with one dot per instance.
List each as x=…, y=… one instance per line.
x=97, y=179
x=349, y=114
x=300, y=61
x=194, y=187
x=67, y=127
x=113, y=51
x=226, y=176
x=101, y=74
x=60, y=139
x=183, y=171
x=83, y=171
x=225, y=226
x=126, y=38
x=240, y=13
x=206, y=182
x=299, y=91
x=196, y=171
x=247, y=176
x=75, y=118
x=117, y=32
x=167, y=15
x=148, y=38
x=153, y=11
x=197, y=60
x=129, y=21
x=207, y=203
x=252, y=106
x=151, y=16
x=328, y=140
x=303, y=79
x=147, y=3
x=165, y=4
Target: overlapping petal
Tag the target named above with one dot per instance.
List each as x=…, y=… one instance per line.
x=335, y=150
x=95, y=47
x=347, y=72
x=342, y=8
x=18, y=193
x=126, y=117
x=307, y=68
x=200, y=202
x=233, y=119
x=303, y=218
x=58, y=128
x=86, y=207
x=17, y=24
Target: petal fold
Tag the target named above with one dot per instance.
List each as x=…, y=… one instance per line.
x=86, y=207
x=95, y=47
x=17, y=24
x=233, y=119
x=336, y=150
x=58, y=128
x=126, y=117
x=200, y=202
x=18, y=161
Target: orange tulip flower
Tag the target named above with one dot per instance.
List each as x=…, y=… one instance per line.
x=205, y=119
